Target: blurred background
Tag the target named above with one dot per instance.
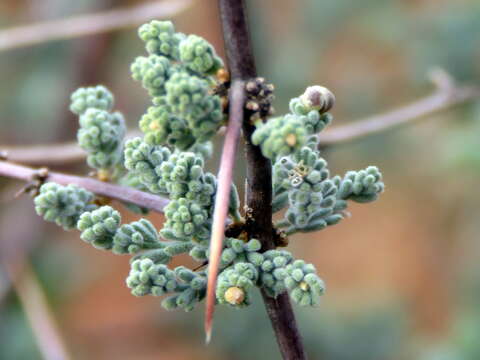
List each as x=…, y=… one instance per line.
x=402, y=274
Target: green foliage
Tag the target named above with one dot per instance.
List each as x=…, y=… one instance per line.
x=237, y=250
x=162, y=126
x=189, y=97
x=234, y=284
x=290, y=172
x=199, y=56
x=143, y=160
x=101, y=132
x=360, y=186
x=98, y=97
x=315, y=200
x=152, y=71
x=63, y=204
x=136, y=236
x=303, y=284
x=186, y=113
x=273, y=272
x=192, y=288
x=101, y=136
x=184, y=178
x=148, y=278
x=280, y=136
x=186, y=221
x=312, y=211
x=160, y=38
x=99, y=226
x=286, y=135
x=312, y=119
x=177, y=75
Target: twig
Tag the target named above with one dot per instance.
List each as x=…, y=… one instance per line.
x=38, y=313
x=447, y=95
x=259, y=179
x=84, y=25
x=225, y=178
x=55, y=154
x=122, y=193
x=49, y=155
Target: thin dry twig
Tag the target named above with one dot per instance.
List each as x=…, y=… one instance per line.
x=38, y=312
x=112, y=191
x=225, y=178
x=49, y=155
x=447, y=95
x=84, y=25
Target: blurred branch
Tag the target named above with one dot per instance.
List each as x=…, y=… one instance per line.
x=447, y=95
x=38, y=313
x=112, y=191
x=49, y=155
x=84, y=25
x=55, y=154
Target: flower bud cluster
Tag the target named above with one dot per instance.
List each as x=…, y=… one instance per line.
x=63, y=204
x=101, y=132
x=178, y=76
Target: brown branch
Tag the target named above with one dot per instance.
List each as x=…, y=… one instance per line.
x=112, y=191
x=446, y=96
x=84, y=25
x=225, y=179
x=259, y=178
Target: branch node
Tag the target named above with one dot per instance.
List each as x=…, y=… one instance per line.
x=32, y=188
x=442, y=80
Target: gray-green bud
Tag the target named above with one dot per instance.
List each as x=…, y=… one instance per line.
x=99, y=226
x=97, y=97
x=199, y=55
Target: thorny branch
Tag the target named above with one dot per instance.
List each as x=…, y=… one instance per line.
x=259, y=179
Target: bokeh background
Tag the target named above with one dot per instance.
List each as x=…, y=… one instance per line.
x=403, y=273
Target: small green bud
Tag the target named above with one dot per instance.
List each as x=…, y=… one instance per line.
x=148, y=278
x=186, y=220
x=280, y=136
x=152, y=71
x=273, y=272
x=134, y=237
x=199, y=56
x=98, y=97
x=144, y=160
x=189, y=97
x=160, y=38
x=234, y=283
x=99, y=226
x=303, y=284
